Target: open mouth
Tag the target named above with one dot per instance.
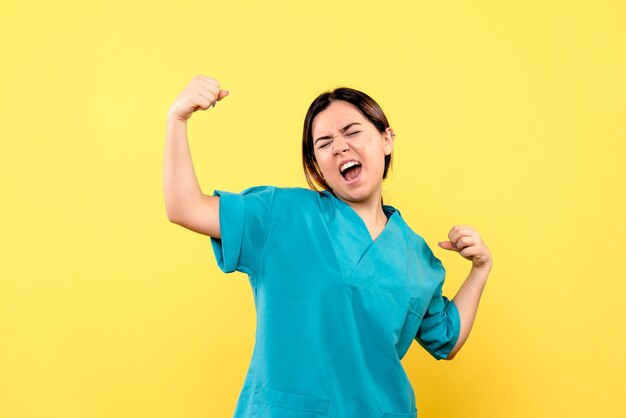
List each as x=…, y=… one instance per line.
x=350, y=170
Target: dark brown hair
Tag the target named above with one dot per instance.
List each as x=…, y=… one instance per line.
x=364, y=103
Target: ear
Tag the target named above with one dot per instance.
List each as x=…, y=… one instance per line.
x=388, y=140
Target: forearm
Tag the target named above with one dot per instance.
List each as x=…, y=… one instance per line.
x=466, y=301
x=180, y=185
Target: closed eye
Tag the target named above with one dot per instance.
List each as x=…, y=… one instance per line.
x=353, y=133
x=325, y=144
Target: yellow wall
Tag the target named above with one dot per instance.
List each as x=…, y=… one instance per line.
x=510, y=117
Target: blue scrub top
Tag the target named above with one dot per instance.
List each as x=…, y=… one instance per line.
x=336, y=310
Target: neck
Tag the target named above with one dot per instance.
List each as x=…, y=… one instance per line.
x=371, y=211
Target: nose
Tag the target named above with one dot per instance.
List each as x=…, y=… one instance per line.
x=340, y=145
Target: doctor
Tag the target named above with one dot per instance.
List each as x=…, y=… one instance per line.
x=342, y=285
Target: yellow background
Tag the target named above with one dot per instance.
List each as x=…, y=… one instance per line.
x=510, y=117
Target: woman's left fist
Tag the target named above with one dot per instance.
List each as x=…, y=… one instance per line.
x=467, y=242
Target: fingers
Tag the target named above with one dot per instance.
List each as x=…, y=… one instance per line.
x=466, y=241
x=470, y=251
x=222, y=94
x=203, y=100
x=447, y=245
x=461, y=244
x=207, y=79
x=202, y=92
x=207, y=90
x=462, y=236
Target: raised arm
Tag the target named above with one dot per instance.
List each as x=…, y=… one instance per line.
x=185, y=204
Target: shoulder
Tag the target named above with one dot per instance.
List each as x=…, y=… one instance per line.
x=285, y=192
x=277, y=195
x=296, y=195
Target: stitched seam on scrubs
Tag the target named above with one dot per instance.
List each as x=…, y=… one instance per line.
x=349, y=277
x=336, y=201
x=414, y=312
x=392, y=415
x=259, y=260
x=454, y=318
x=227, y=239
x=373, y=243
x=292, y=408
x=368, y=286
x=409, y=241
x=447, y=348
x=329, y=234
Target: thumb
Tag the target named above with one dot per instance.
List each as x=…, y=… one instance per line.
x=446, y=245
x=222, y=94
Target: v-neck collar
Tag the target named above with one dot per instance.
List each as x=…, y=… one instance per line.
x=349, y=234
x=388, y=210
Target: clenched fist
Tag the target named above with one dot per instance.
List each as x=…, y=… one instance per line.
x=467, y=241
x=202, y=92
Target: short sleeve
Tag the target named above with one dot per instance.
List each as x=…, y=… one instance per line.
x=244, y=227
x=441, y=324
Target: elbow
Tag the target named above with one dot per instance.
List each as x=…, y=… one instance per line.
x=171, y=216
x=175, y=220
x=452, y=354
x=172, y=212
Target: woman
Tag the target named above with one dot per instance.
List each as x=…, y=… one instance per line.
x=342, y=285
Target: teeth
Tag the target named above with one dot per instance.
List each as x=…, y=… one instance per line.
x=348, y=165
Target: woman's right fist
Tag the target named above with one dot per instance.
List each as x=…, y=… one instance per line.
x=202, y=92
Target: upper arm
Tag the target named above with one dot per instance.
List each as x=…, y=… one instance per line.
x=203, y=216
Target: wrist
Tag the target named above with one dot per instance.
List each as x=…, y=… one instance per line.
x=175, y=126
x=175, y=119
x=484, y=269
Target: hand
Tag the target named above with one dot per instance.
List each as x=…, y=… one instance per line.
x=466, y=241
x=202, y=92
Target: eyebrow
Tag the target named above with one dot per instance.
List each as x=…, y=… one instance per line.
x=342, y=130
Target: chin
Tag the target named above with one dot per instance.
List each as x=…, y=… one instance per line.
x=353, y=195
x=356, y=192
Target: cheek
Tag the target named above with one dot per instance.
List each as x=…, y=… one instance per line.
x=376, y=158
x=325, y=165
x=327, y=170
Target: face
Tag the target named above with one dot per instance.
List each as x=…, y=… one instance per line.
x=343, y=137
